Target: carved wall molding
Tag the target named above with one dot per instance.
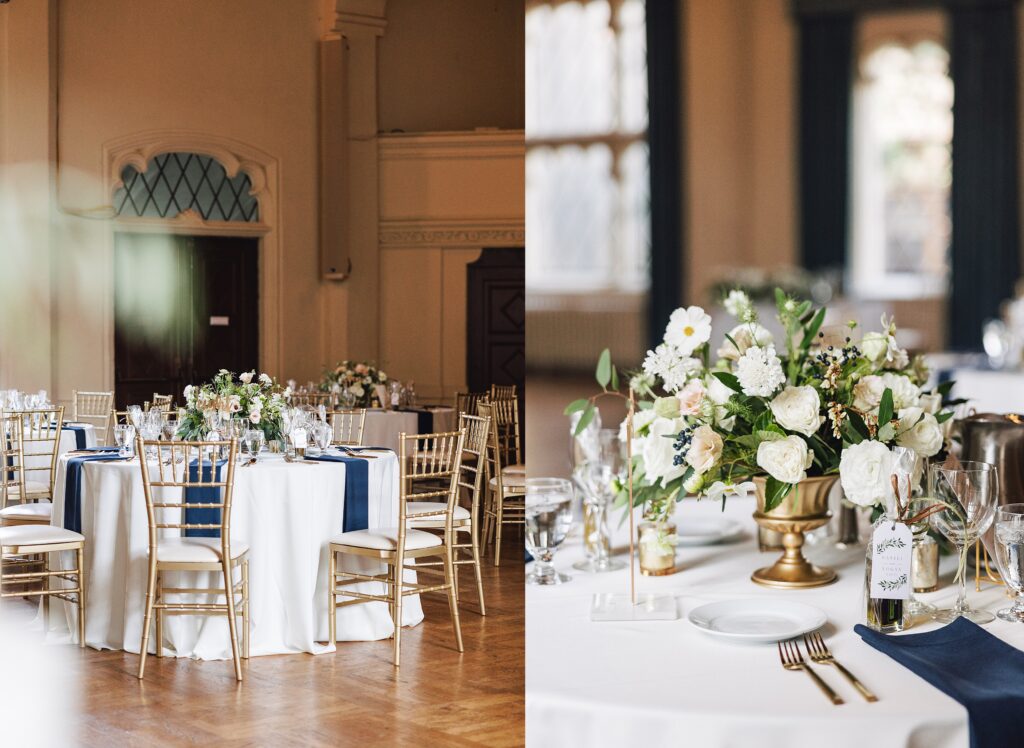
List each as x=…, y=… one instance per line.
x=476, y=144
x=446, y=233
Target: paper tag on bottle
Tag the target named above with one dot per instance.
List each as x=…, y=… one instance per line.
x=891, y=550
x=299, y=438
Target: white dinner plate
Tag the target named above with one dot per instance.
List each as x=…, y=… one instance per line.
x=706, y=530
x=757, y=620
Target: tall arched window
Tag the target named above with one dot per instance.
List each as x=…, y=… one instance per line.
x=902, y=170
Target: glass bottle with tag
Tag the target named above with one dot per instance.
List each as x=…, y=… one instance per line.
x=887, y=571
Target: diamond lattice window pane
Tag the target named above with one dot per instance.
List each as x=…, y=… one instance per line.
x=176, y=182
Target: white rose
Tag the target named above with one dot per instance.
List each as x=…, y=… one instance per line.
x=867, y=393
x=785, y=459
x=744, y=336
x=658, y=450
x=865, y=470
x=930, y=403
x=798, y=409
x=719, y=394
x=705, y=449
x=246, y=377
x=357, y=390
x=919, y=431
x=255, y=416
x=265, y=378
x=190, y=391
x=904, y=392
x=874, y=346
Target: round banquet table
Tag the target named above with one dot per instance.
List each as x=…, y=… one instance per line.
x=285, y=512
x=666, y=683
x=383, y=427
x=68, y=442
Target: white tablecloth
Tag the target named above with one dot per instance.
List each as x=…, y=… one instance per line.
x=383, y=427
x=285, y=512
x=669, y=684
x=989, y=391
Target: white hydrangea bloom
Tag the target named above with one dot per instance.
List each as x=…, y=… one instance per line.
x=760, y=371
x=671, y=366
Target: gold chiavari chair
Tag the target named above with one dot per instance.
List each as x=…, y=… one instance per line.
x=161, y=402
x=465, y=402
x=21, y=548
x=506, y=494
x=347, y=426
x=506, y=419
x=189, y=465
x=93, y=408
x=395, y=545
x=32, y=469
x=313, y=399
x=502, y=391
x=472, y=470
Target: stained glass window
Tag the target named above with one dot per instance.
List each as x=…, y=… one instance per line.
x=587, y=205
x=902, y=171
x=175, y=182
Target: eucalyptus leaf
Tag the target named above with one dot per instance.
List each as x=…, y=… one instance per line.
x=943, y=417
x=585, y=419
x=604, y=368
x=615, y=378
x=576, y=406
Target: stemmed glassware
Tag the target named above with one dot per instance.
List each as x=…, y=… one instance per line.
x=135, y=415
x=322, y=433
x=253, y=442
x=596, y=476
x=124, y=434
x=971, y=490
x=1010, y=557
x=548, y=518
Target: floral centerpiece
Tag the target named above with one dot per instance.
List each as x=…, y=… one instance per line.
x=258, y=399
x=770, y=415
x=358, y=378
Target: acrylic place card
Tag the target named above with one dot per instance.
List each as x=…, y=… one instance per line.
x=299, y=438
x=891, y=549
x=614, y=606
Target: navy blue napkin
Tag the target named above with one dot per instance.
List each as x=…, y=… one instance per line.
x=73, y=487
x=80, y=442
x=211, y=495
x=967, y=663
x=357, y=491
x=100, y=450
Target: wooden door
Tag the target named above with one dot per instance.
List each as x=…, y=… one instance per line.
x=496, y=319
x=184, y=307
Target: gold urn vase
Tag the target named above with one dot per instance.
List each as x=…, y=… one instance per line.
x=803, y=510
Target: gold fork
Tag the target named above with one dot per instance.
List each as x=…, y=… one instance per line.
x=821, y=654
x=792, y=659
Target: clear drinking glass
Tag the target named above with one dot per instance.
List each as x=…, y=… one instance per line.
x=135, y=415
x=214, y=424
x=1010, y=557
x=252, y=440
x=124, y=434
x=322, y=433
x=595, y=477
x=548, y=518
x=971, y=489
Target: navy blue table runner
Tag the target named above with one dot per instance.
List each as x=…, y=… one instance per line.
x=357, y=491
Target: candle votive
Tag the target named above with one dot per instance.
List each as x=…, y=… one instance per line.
x=924, y=567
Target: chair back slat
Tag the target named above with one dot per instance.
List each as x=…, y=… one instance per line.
x=347, y=426
x=502, y=391
x=38, y=444
x=473, y=468
x=314, y=399
x=465, y=402
x=161, y=402
x=93, y=408
x=505, y=413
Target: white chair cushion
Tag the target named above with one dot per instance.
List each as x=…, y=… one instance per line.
x=386, y=539
x=413, y=508
x=509, y=481
x=40, y=511
x=519, y=469
x=195, y=550
x=37, y=535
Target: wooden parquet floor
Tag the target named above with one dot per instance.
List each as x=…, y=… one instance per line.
x=352, y=698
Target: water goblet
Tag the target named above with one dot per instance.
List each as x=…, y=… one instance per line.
x=135, y=415
x=548, y=518
x=124, y=433
x=322, y=433
x=252, y=440
x=970, y=491
x=170, y=429
x=1010, y=558
x=596, y=478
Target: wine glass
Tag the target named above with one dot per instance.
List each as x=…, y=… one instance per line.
x=135, y=414
x=1010, y=557
x=596, y=478
x=214, y=424
x=970, y=490
x=548, y=518
x=322, y=433
x=253, y=442
x=170, y=429
x=124, y=433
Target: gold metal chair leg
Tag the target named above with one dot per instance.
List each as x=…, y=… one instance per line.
x=498, y=521
x=332, y=599
x=80, y=553
x=245, y=609
x=232, y=623
x=46, y=598
x=453, y=604
x=397, y=596
x=150, y=592
x=476, y=569
x=159, y=651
